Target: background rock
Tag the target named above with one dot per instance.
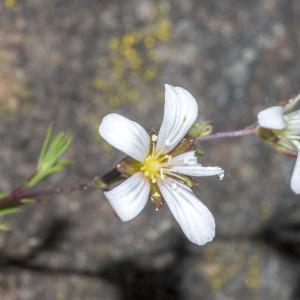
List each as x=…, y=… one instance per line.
x=71, y=62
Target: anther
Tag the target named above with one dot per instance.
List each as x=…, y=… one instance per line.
x=153, y=179
x=154, y=138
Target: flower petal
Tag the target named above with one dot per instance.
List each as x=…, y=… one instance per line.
x=295, y=181
x=187, y=164
x=272, y=118
x=184, y=158
x=180, y=113
x=292, y=104
x=125, y=135
x=130, y=197
x=193, y=216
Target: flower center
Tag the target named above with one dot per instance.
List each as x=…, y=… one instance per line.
x=154, y=163
x=151, y=168
x=151, y=165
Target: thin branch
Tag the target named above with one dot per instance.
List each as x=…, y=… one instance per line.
x=19, y=195
x=228, y=134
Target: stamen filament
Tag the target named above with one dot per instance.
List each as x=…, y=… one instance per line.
x=175, y=175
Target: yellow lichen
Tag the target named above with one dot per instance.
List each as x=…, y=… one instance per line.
x=13, y=89
x=10, y=3
x=265, y=211
x=132, y=59
x=60, y=296
x=221, y=269
x=253, y=275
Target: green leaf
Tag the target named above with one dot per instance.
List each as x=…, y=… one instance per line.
x=4, y=226
x=45, y=145
x=27, y=201
x=3, y=195
x=8, y=211
x=50, y=161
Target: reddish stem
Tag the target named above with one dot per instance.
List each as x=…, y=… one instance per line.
x=228, y=134
x=17, y=195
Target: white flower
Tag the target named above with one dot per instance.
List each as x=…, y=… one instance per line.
x=282, y=130
x=161, y=167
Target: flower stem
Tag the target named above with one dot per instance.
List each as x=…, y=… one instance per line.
x=20, y=195
x=228, y=134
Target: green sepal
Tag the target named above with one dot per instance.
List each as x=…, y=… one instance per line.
x=99, y=184
x=198, y=151
x=274, y=139
x=185, y=145
x=128, y=166
x=156, y=197
x=200, y=130
x=267, y=135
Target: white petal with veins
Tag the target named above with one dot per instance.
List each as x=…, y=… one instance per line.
x=186, y=164
x=193, y=216
x=272, y=118
x=184, y=158
x=125, y=135
x=180, y=113
x=130, y=197
x=295, y=181
x=198, y=170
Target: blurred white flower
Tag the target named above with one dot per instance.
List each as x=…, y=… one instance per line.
x=163, y=164
x=282, y=130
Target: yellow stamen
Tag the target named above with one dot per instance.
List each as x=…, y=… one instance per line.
x=153, y=164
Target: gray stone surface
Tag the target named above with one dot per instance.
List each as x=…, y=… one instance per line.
x=59, y=65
